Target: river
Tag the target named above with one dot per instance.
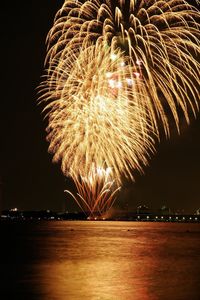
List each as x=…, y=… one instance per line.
x=67, y=260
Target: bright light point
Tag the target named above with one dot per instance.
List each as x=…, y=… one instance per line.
x=129, y=81
x=14, y=209
x=118, y=84
x=111, y=83
x=108, y=74
x=138, y=62
x=108, y=170
x=114, y=84
x=122, y=64
x=101, y=102
x=137, y=74
x=113, y=56
x=99, y=171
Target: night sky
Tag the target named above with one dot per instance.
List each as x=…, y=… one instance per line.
x=30, y=181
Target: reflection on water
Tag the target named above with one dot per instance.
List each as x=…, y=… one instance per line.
x=100, y=260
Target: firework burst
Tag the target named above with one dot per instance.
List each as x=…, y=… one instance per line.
x=96, y=192
x=94, y=114
x=114, y=70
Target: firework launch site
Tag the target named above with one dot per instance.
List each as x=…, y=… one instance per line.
x=149, y=216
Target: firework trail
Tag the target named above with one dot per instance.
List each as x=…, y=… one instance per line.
x=96, y=191
x=114, y=69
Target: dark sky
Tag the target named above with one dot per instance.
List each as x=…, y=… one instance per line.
x=29, y=179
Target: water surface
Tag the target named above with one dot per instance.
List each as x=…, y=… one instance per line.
x=59, y=260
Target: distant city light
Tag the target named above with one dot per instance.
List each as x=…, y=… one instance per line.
x=14, y=209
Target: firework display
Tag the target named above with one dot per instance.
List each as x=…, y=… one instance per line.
x=116, y=71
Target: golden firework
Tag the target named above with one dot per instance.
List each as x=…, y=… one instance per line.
x=95, y=115
x=114, y=70
x=96, y=192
